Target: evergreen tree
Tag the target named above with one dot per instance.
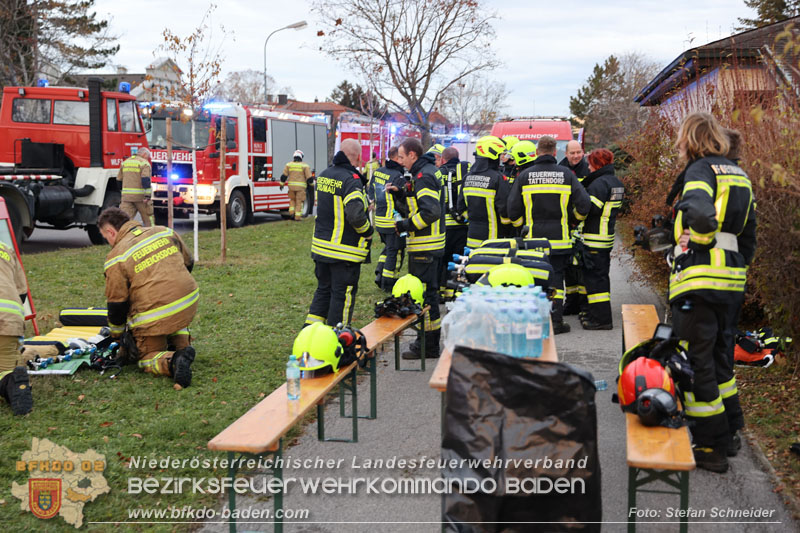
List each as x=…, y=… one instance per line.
x=769, y=12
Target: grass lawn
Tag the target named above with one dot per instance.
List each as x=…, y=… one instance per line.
x=251, y=308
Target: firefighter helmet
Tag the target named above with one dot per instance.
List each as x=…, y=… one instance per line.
x=409, y=284
x=489, y=147
x=510, y=141
x=320, y=342
x=656, y=407
x=641, y=374
x=436, y=149
x=298, y=153
x=509, y=274
x=524, y=152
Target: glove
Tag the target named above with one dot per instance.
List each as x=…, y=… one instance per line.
x=403, y=226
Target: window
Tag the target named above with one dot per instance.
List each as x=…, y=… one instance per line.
x=127, y=116
x=259, y=130
x=31, y=110
x=71, y=112
x=111, y=115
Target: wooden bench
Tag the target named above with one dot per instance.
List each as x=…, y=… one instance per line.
x=259, y=432
x=657, y=453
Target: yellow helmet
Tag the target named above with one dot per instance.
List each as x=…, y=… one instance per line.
x=509, y=274
x=436, y=149
x=409, y=284
x=524, y=152
x=489, y=147
x=322, y=345
x=510, y=141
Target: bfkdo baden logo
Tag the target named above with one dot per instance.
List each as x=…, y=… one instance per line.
x=60, y=481
x=44, y=497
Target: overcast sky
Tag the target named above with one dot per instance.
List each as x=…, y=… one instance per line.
x=548, y=51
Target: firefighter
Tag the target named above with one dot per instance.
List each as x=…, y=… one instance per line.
x=426, y=238
x=135, y=173
x=342, y=236
x=370, y=167
x=149, y=287
x=484, y=193
x=606, y=193
x=388, y=187
x=437, y=150
x=715, y=226
x=297, y=174
x=575, y=301
x=451, y=177
x=14, y=385
x=548, y=199
x=508, y=168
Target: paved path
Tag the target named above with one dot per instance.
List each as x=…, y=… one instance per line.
x=408, y=427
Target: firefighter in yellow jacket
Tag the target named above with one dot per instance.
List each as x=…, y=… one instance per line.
x=297, y=173
x=149, y=287
x=14, y=385
x=135, y=173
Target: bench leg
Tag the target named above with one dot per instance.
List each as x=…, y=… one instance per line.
x=373, y=393
x=397, y=352
x=675, y=479
x=353, y=388
x=419, y=328
x=684, y=481
x=232, y=494
x=276, y=471
x=632, y=472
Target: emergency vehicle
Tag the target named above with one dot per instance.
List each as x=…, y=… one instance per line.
x=375, y=136
x=60, y=150
x=534, y=128
x=260, y=141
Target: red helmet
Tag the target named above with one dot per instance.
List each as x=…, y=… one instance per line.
x=641, y=374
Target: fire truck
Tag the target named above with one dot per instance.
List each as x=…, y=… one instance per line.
x=534, y=128
x=259, y=142
x=60, y=150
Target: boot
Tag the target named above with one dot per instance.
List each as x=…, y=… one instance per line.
x=560, y=327
x=710, y=459
x=413, y=350
x=16, y=388
x=432, y=339
x=591, y=325
x=181, y=366
x=734, y=445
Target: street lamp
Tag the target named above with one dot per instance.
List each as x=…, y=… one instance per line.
x=296, y=26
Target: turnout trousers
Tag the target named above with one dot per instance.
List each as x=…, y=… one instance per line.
x=297, y=200
x=596, y=264
x=145, y=209
x=337, y=285
x=559, y=264
x=387, y=270
x=156, y=351
x=714, y=402
x=426, y=268
x=575, y=300
x=455, y=242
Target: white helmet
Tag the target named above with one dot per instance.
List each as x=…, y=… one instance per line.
x=298, y=153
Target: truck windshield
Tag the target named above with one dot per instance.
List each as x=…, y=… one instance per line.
x=181, y=133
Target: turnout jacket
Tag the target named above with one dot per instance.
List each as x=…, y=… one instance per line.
x=386, y=202
x=606, y=192
x=546, y=195
x=342, y=226
x=718, y=208
x=297, y=174
x=135, y=173
x=451, y=176
x=483, y=198
x=425, y=209
x=581, y=170
x=149, y=282
x=13, y=290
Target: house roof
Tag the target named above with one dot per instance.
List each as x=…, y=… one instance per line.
x=745, y=45
x=316, y=107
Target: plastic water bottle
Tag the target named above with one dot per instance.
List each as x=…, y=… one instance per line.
x=503, y=331
x=398, y=217
x=544, y=312
x=534, y=331
x=518, y=327
x=600, y=384
x=293, y=378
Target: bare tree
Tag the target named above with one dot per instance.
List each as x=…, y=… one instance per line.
x=247, y=87
x=202, y=59
x=413, y=50
x=475, y=102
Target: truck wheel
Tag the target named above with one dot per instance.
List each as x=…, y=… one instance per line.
x=237, y=210
x=16, y=223
x=112, y=199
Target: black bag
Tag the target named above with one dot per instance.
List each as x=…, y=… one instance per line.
x=83, y=316
x=501, y=408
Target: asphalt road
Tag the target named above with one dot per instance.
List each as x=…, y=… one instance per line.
x=408, y=426
x=48, y=240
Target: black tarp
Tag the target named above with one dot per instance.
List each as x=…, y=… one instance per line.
x=508, y=409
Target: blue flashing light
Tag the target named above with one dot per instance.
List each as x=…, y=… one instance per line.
x=460, y=136
x=42, y=82
x=394, y=128
x=175, y=177
x=124, y=87
x=216, y=106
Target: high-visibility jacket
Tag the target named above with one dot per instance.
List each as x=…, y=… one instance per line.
x=370, y=167
x=606, y=193
x=297, y=174
x=387, y=202
x=12, y=289
x=149, y=283
x=718, y=208
x=341, y=226
x=544, y=196
x=425, y=209
x=135, y=173
x=581, y=169
x=483, y=198
x=451, y=177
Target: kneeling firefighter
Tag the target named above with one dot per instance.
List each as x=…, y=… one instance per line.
x=14, y=385
x=150, y=287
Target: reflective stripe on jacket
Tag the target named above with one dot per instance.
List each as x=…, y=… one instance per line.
x=606, y=193
x=12, y=285
x=135, y=173
x=425, y=209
